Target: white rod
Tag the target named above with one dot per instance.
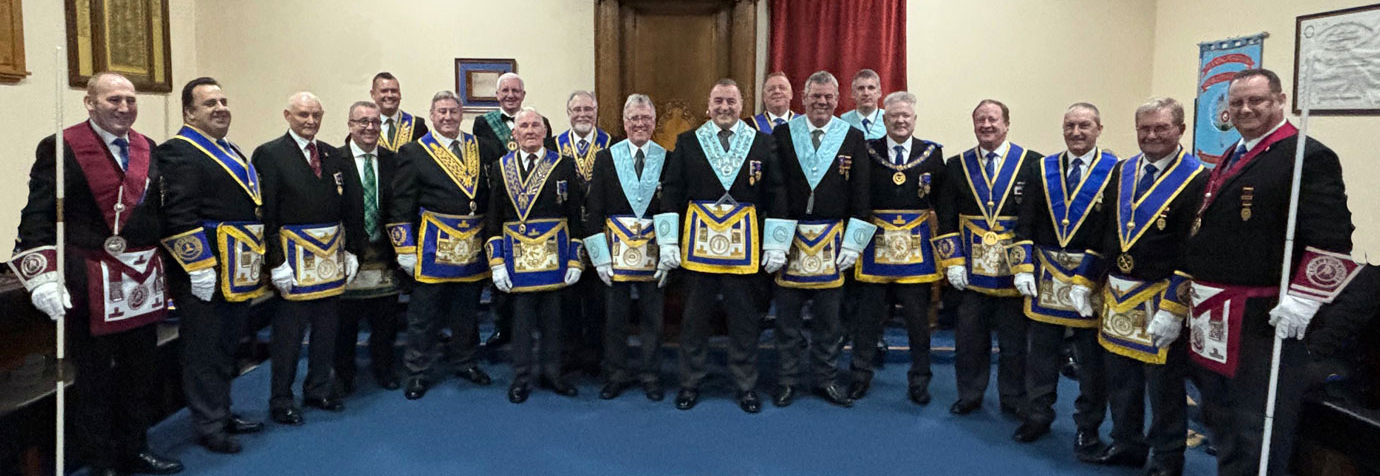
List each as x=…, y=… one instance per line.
x=60, y=181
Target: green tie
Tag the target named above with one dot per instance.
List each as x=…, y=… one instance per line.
x=371, y=195
x=392, y=132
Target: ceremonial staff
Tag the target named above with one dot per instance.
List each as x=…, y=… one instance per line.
x=60, y=74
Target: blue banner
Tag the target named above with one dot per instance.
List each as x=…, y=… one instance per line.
x=1213, y=133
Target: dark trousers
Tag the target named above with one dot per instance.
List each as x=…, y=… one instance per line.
x=743, y=327
x=208, y=333
x=874, y=307
x=290, y=322
x=826, y=336
x=433, y=305
x=536, y=312
x=1164, y=385
x=584, y=320
x=619, y=305
x=382, y=315
x=979, y=315
x=110, y=412
x=1042, y=375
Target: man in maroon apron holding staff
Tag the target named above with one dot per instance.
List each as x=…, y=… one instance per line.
x=114, y=287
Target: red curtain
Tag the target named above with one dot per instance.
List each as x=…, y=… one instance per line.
x=841, y=37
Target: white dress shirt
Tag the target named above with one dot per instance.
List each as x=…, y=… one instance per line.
x=1001, y=154
x=302, y=145
x=109, y=140
x=359, y=165
x=891, y=150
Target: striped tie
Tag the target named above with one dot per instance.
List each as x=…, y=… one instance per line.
x=371, y=200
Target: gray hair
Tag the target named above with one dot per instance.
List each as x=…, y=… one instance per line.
x=95, y=80
x=1176, y=109
x=510, y=75
x=363, y=104
x=581, y=92
x=444, y=96
x=1097, y=115
x=635, y=100
x=899, y=96
x=866, y=73
x=303, y=96
x=822, y=77
x=526, y=110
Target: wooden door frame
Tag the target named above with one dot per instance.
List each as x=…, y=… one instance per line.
x=610, y=56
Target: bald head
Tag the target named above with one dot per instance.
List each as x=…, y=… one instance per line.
x=304, y=114
x=110, y=101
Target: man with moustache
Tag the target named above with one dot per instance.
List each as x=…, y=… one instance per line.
x=1234, y=251
x=867, y=89
x=436, y=225
x=721, y=175
x=211, y=202
x=314, y=233
x=899, y=263
x=373, y=294
x=1153, y=197
x=1058, y=265
x=776, y=102
x=110, y=219
x=984, y=188
x=584, y=306
x=624, y=251
x=827, y=175
x=399, y=127
x=534, y=217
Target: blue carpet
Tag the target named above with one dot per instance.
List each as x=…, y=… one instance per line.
x=462, y=429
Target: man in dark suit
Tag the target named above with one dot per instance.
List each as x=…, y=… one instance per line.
x=373, y=295
x=399, y=127
x=982, y=192
x=827, y=174
x=724, y=176
x=584, y=302
x=314, y=235
x=776, y=103
x=534, y=215
x=1234, y=251
x=436, y=224
x=111, y=227
x=212, y=194
x=899, y=263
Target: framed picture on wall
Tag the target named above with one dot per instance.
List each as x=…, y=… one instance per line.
x=476, y=81
x=1335, y=55
x=129, y=37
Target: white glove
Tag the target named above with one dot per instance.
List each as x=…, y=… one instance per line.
x=351, y=266
x=846, y=259
x=282, y=278
x=1292, y=315
x=572, y=276
x=1164, y=328
x=203, y=283
x=52, y=299
x=958, y=277
x=670, y=257
x=606, y=273
x=1079, y=296
x=1025, y=283
x=773, y=260
x=408, y=262
x=501, y=279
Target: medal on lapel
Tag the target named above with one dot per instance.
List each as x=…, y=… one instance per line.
x=923, y=188
x=845, y=164
x=1247, y=197
x=560, y=191
x=339, y=184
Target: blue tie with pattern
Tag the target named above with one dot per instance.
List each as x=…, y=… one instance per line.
x=1147, y=180
x=124, y=152
x=900, y=155
x=1075, y=175
x=991, y=166
x=778, y=121
x=1236, y=155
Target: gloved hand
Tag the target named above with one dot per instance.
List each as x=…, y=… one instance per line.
x=606, y=273
x=203, y=283
x=351, y=266
x=670, y=257
x=282, y=278
x=52, y=299
x=846, y=259
x=958, y=277
x=1292, y=315
x=501, y=279
x=1164, y=328
x=1025, y=284
x=572, y=276
x=773, y=260
x=1079, y=296
x=408, y=263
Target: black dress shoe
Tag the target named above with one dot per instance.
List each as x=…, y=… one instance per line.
x=287, y=416
x=612, y=390
x=560, y=387
x=858, y=389
x=475, y=376
x=653, y=391
x=145, y=462
x=748, y=401
x=687, y=398
x=329, y=404
x=386, y=380
x=1116, y=454
x=518, y=393
x=833, y=394
x=1029, y=432
x=1086, y=442
x=238, y=425
x=964, y=407
x=224, y=444
x=416, y=388
x=496, y=340
x=784, y=395
x=879, y=358
x=919, y=395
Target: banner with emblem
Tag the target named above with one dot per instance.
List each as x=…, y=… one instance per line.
x=632, y=248
x=900, y=250
x=241, y=247
x=450, y=249
x=1128, y=307
x=124, y=290
x=1213, y=133
x=811, y=260
x=538, y=253
x=315, y=255
x=720, y=238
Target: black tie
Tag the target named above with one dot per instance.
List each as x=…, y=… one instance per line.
x=639, y=161
x=531, y=163
x=724, y=134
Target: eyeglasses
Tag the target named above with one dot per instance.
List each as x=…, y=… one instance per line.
x=1158, y=129
x=367, y=122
